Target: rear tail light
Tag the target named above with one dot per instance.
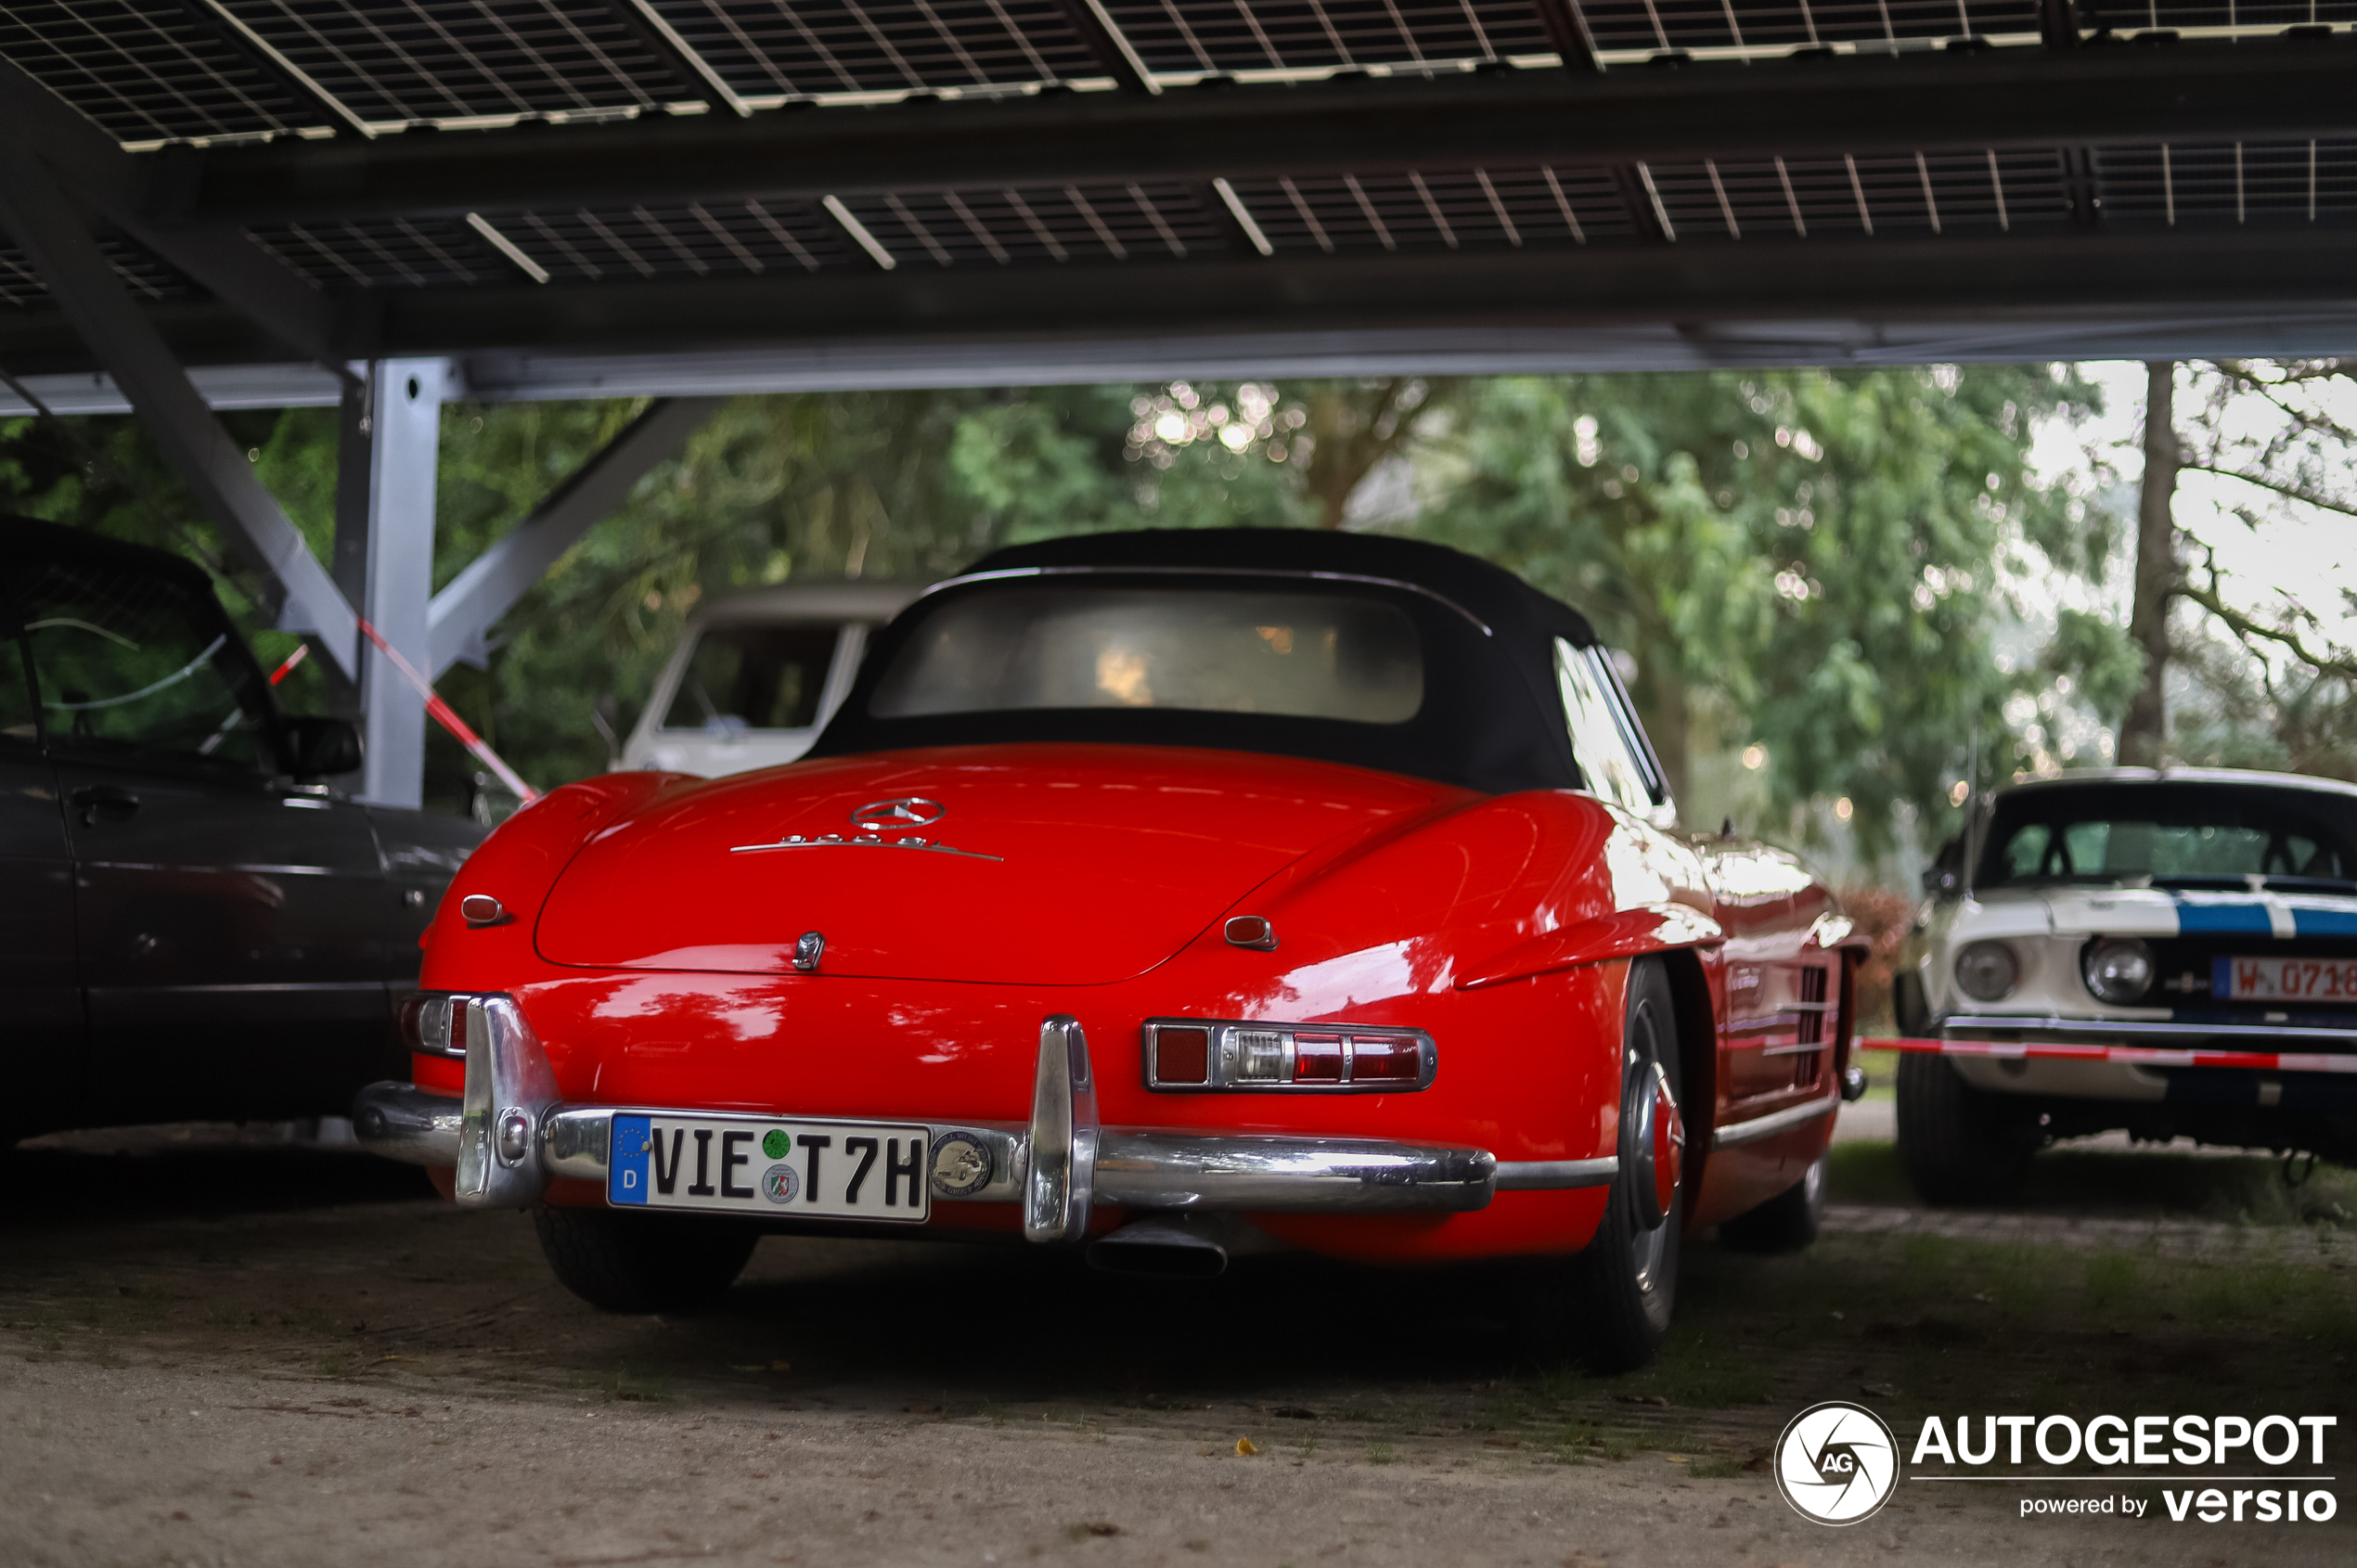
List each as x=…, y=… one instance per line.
x=434, y=1023
x=1198, y=1054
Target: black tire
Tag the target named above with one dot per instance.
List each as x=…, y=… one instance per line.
x=638, y=1263
x=1786, y=1222
x=1627, y=1280
x=1959, y=1144
x=1908, y=1008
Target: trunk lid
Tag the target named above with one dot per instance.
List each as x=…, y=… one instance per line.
x=1062, y=865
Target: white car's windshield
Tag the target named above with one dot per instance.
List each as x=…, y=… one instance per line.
x=2167, y=834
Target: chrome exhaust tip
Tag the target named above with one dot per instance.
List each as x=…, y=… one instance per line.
x=1159, y=1249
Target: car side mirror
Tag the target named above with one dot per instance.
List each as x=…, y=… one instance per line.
x=316, y=748
x=1942, y=881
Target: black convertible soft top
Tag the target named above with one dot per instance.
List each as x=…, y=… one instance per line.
x=1492, y=719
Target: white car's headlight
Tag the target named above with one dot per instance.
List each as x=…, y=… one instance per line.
x=1988, y=972
x=2118, y=969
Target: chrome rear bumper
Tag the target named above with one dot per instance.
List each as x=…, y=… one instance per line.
x=509, y=1136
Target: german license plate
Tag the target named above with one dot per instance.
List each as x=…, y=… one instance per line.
x=2284, y=980
x=781, y=1169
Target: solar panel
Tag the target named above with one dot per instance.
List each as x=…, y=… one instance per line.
x=146, y=69
x=1801, y=198
x=402, y=252
x=2186, y=16
x=147, y=275
x=2224, y=184
x=1631, y=27
x=1185, y=37
x=403, y=61
x=1149, y=221
x=644, y=242
x=768, y=51
x=1454, y=208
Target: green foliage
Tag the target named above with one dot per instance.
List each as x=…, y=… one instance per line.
x=1811, y=553
x=1061, y=460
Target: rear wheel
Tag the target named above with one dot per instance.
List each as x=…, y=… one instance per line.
x=1786, y=1222
x=637, y=1263
x=1960, y=1145
x=1628, y=1278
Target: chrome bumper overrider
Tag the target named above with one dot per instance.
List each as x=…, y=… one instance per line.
x=509, y=1136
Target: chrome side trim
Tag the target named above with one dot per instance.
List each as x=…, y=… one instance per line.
x=404, y=1122
x=509, y=1090
x=1291, y=1175
x=1060, y=1185
x=1478, y=623
x=1774, y=1121
x=1556, y=1176
x=1971, y=1026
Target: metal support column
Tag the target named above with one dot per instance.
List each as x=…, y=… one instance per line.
x=384, y=534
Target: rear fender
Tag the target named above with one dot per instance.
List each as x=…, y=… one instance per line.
x=517, y=865
x=1697, y=1061
x=1626, y=933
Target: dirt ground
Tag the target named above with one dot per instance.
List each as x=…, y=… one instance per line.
x=219, y=1354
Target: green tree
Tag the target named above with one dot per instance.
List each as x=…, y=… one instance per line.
x=1810, y=557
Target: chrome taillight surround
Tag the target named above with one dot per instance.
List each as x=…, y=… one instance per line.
x=1249, y=1058
x=434, y=1023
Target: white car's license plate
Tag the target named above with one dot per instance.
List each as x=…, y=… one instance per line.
x=774, y=1167
x=2284, y=980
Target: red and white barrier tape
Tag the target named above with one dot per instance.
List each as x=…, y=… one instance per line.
x=2130, y=1056
x=302, y=651
x=449, y=720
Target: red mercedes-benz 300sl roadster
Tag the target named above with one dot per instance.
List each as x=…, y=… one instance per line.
x=1158, y=895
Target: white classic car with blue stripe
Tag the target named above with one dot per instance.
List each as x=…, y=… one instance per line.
x=2172, y=953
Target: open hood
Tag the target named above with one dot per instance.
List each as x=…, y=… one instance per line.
x=1060, y=865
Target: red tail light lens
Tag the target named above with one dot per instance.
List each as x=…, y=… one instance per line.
x=434, y=1023
x=1330, y=1059
x=1385, y=1060
x=1182, y=1056
x=1317, y=1059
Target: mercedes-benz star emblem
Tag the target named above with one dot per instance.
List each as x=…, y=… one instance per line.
x=910, y=811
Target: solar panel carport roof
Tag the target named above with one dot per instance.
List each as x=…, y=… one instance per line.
x=354, y=177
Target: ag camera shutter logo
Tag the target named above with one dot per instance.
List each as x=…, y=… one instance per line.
x=1836, y=1463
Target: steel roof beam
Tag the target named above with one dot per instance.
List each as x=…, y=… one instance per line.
x=1109, y=45
x=2062, y=274
x=2058, y=24
x=463, y=613
x=2000, y=99
x=126, y=190
x=214, y=467
x=1566, y=26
